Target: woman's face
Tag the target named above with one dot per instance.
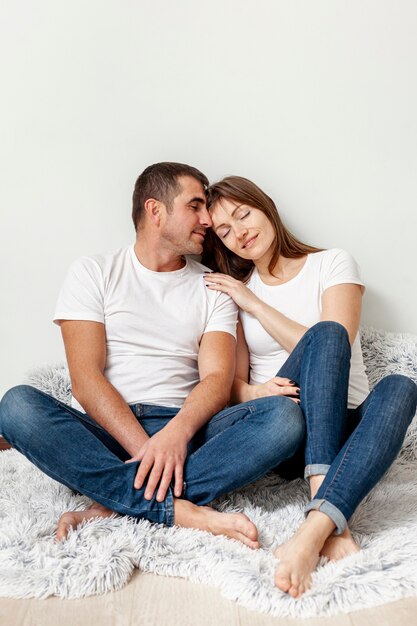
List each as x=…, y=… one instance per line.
x=244, y=230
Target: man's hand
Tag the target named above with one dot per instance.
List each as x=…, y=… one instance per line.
x=161, y=456
x=278, y=387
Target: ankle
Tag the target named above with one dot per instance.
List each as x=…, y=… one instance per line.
x=319, y=527
x=183, y=511
x=315, y=483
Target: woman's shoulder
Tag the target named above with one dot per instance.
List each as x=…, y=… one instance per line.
x=332, y=256
x=335, y=266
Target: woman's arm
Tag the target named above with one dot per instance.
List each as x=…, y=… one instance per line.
x=242, y=391
x=284, y=330
x=343, y=303
x=340, y=303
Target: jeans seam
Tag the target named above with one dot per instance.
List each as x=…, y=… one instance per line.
x=347, y=451
x=50, y=472
x=198, y=451
x=306, y=403
x=237, y=407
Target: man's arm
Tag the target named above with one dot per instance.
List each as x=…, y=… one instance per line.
x=164, y=454
x=85, y=347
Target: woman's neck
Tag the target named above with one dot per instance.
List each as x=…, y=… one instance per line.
x=284, y=269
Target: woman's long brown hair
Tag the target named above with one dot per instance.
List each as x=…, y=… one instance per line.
x=243, y=191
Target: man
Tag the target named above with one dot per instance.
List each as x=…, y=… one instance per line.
x=151, y=355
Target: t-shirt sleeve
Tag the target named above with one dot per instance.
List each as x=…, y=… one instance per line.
x=81, y=295
x=339, y=267
x=223, y=316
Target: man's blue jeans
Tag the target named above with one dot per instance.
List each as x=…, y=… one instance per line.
x=353, y=448
x=237, y=446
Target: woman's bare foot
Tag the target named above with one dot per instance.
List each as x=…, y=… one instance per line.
x=235, y=525
x=300, y=554
x=338, y=546
x=73, y=518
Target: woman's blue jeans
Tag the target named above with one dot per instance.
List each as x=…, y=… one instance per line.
x=353, y=448
x=237, y=446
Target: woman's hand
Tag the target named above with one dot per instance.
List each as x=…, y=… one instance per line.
x=244, y=297
x=277, y=387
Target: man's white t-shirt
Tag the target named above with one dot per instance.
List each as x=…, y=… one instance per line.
x=300, y=299
x=154, y=322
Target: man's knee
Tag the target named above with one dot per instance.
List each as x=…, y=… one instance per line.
x=284, y=423
x=15, y=408
x=296, y=425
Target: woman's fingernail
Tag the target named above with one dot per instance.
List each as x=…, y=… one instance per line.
x=292, y=382
x=297, y=391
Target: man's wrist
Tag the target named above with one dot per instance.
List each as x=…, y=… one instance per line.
x=181, y=426
x=137, y=444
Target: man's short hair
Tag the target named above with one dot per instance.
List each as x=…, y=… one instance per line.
x=160, y=181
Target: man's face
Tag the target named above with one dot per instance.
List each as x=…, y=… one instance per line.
x=185, y=226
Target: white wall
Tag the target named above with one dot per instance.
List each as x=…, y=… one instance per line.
x=315, y=101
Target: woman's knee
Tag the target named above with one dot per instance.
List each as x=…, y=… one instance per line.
x=330, y=328
x=396, y=396
x=399, y=386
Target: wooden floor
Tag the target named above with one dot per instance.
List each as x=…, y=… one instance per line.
x=150, y=600
x=3, y=444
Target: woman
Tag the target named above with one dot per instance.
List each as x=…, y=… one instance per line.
x=300, y=313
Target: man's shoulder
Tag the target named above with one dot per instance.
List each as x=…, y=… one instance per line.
x=195, y=266
x=104, y=261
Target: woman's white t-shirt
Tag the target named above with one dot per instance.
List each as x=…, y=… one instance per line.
x=300, y=299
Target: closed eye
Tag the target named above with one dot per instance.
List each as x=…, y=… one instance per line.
x=224, y=233
x=242, y=217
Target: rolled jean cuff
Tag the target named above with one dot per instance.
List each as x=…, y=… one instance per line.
x=331, y=511
x=316, y=469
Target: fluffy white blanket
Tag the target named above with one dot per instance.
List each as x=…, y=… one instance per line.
x=101, y=555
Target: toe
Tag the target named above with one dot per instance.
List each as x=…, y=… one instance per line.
x=247, y=527
x=246, y=540
x=295, y=586
x=62, y=529
x=282, y=581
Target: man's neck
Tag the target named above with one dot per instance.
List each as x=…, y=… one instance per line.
x=156, y=259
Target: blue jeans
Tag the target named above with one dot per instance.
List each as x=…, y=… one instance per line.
x=237, y=446
x=353, y=448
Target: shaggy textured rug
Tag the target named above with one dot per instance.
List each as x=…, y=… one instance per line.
x=100, y=555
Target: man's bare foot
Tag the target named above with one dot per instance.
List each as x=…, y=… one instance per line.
x=299, y=555
x=338, y=546
x=73, y=518
x=235, y=525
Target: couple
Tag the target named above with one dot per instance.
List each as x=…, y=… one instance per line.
x=150, y=340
